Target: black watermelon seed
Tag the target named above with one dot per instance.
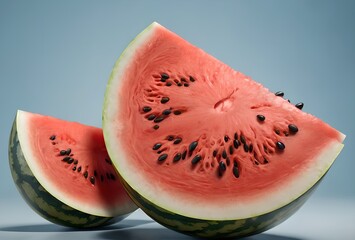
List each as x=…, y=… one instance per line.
x=236, y=172
x=277, y=131
x=86, y=174
x=192, y=79
x=186, y=85
x=146, y=109
x=178, y=140
x=159, y=119
x=177, y=112
x=222, y=166
x=242, y=139
x=62, y=152
x=168, y=84
x=246, y=147
x=166, y=112
x=92, y=180
x=183, y=80
x=68, y=151
x=236, y=136
x=157, y=146
x=215, y=153
x=231, y=149
x=170, y=138
x=236, y=143
x=299, y=105
x=293, y=128
x=156, y=127
x=250, y=148
x=108, y=161
x=165, y=76
x=74, y=168
x=183, y=156
x=193, y=146
x=224, y=154
x=70, y=160
x=226, y=138
x=52, y=137
x=151, y=117
x=177, y=157
x=79, y=169
x=164, y=99
x=112, y=176
x=75, y=161
x=260, y=117
x=280, y=94
x=66, y=159
x=280, y=145
x=228, y=161
x=196, y=159
x=179, y=84
x=162, y=157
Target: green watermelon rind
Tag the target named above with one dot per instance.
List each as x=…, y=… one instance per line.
x=218, y=228
x=40, y=200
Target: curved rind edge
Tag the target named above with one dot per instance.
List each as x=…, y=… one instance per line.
x=120, y=65
x=22, y=120
x=40, y=200
x=219, y=228
x=117, y=70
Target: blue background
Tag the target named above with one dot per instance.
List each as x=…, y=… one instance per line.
x=56, y=57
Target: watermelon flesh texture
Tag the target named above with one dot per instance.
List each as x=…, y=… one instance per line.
x=213, y=105
x=78, y=188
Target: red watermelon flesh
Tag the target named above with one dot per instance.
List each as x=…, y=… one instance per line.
x=163, y=90
x=70, y=161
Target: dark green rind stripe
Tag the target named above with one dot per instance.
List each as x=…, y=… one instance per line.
x=218, y=229
x=40, y=200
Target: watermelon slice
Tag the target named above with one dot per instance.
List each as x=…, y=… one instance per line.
x=204, y=149
x=64, y=173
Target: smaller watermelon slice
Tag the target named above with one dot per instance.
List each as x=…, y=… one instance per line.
x=64, y=173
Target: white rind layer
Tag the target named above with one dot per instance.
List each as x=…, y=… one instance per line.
x=176, y=203
x=22, y=122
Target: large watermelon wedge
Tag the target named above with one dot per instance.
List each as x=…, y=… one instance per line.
x=63, y=171
x=204, y=149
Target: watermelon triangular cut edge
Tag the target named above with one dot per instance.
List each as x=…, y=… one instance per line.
x=197, y=142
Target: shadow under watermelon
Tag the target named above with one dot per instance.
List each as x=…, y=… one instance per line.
x=140, y=233
x=127, y=229
x=126, y=224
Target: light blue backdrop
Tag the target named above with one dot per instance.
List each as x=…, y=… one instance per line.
x=56, y=57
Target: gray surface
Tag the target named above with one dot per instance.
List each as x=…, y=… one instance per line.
x=318, y=219
x=56, y=57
